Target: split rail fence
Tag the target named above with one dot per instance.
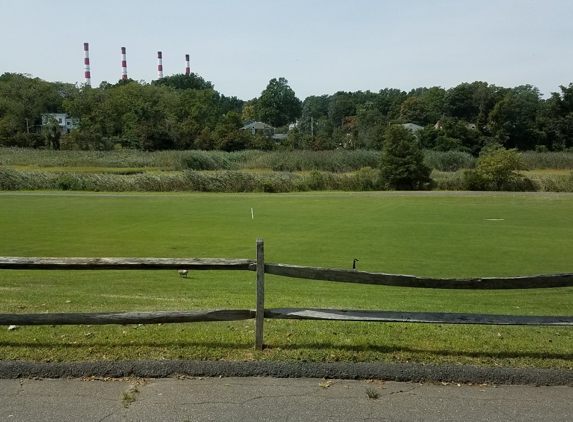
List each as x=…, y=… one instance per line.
x=260, y=313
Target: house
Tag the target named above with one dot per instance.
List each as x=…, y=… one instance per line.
x=66, y=122
x=412, y=127
x=259, y=128
x=470, y=126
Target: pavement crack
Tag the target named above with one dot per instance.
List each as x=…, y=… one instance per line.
x=106, y=416
x=402, y=391
x=21, y=388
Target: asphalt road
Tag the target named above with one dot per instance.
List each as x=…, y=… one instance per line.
x=274, y=399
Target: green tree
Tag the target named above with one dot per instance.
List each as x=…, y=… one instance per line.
x=513, y=119
x=313, y=108
x=389, y=99
x=228, y=135
x=556, y=119
x=22, y=101
x=230, y=104
x=183, y=81
x=371, y=126
x=340, y=106
x=278, y=104
x=414, y=110
x=402, y=164
x=249, y=111
x=433, y=98
x=52, y=132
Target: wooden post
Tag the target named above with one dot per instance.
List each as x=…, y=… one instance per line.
x=260, y=316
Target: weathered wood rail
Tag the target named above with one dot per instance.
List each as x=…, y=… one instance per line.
x=381, y=279
x=192, y=264
x=260, y=313
x=101, y=318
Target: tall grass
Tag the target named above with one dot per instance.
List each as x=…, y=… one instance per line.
x=449, y=160
x=333, y=161
x=548, y=160
x=189, y=180
x=337, y=161
x=121, y=158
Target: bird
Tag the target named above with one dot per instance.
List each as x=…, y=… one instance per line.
x=183, y=273
x=354, y=263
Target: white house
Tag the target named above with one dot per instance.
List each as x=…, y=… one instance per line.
x=66, y=122
x=413, y=127
x=259, y=127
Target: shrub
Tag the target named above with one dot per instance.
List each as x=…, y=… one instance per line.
x=316, y=180
x=366, y=179
x=497, y=170
x=449, y=180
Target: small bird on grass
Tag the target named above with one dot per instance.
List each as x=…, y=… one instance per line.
x=354, y=263
x=183, y=273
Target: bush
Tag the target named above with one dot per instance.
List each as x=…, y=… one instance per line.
x=497, y=170
x=449, y=180
x=366, y=179
x=24, y=140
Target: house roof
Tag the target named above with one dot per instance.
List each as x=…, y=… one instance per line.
x=257, y=126
x=413, y=127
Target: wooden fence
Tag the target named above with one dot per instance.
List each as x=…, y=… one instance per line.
x=260, y=313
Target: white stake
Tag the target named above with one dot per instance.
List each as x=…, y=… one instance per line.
x=252, y=214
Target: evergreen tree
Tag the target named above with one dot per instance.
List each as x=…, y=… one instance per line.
x=402, y=164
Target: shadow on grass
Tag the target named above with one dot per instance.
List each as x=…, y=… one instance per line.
x=384, y=350
x=446, y=352
x=183, y=344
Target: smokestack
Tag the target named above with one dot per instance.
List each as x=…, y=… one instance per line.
x=87, y=73
x=159, y=65
x=123, y=63
x=187, y=65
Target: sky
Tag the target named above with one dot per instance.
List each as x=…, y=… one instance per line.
x=319, y=46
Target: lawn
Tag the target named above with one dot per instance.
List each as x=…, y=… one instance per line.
x=434, y=235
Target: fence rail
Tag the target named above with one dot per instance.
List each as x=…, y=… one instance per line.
x=381, y=279
x=415, y=317
x=159, y=317
x=260, y=313
x=17, y=263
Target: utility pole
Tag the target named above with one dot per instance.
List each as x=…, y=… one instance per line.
x=312, y=126
x=27, y=126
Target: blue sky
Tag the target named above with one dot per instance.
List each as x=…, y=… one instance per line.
x=320, y=46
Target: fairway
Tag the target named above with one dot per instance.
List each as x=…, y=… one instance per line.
x=424, y=235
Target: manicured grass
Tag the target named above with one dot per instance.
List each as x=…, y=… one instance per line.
x=440, y=236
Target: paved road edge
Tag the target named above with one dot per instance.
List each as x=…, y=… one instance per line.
x=382, y=371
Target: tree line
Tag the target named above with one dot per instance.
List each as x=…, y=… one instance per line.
x=186, y=112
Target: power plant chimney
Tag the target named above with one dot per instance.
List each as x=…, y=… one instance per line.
x=87, y=73
x=123, y=63
x=187, y=65
x=159, y=65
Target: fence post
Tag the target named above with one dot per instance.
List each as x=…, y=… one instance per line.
x=260, y=316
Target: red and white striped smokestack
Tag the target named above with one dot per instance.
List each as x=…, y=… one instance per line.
x=123, y=63
x=159, y=65
x=187, y=65
x=87, y=73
